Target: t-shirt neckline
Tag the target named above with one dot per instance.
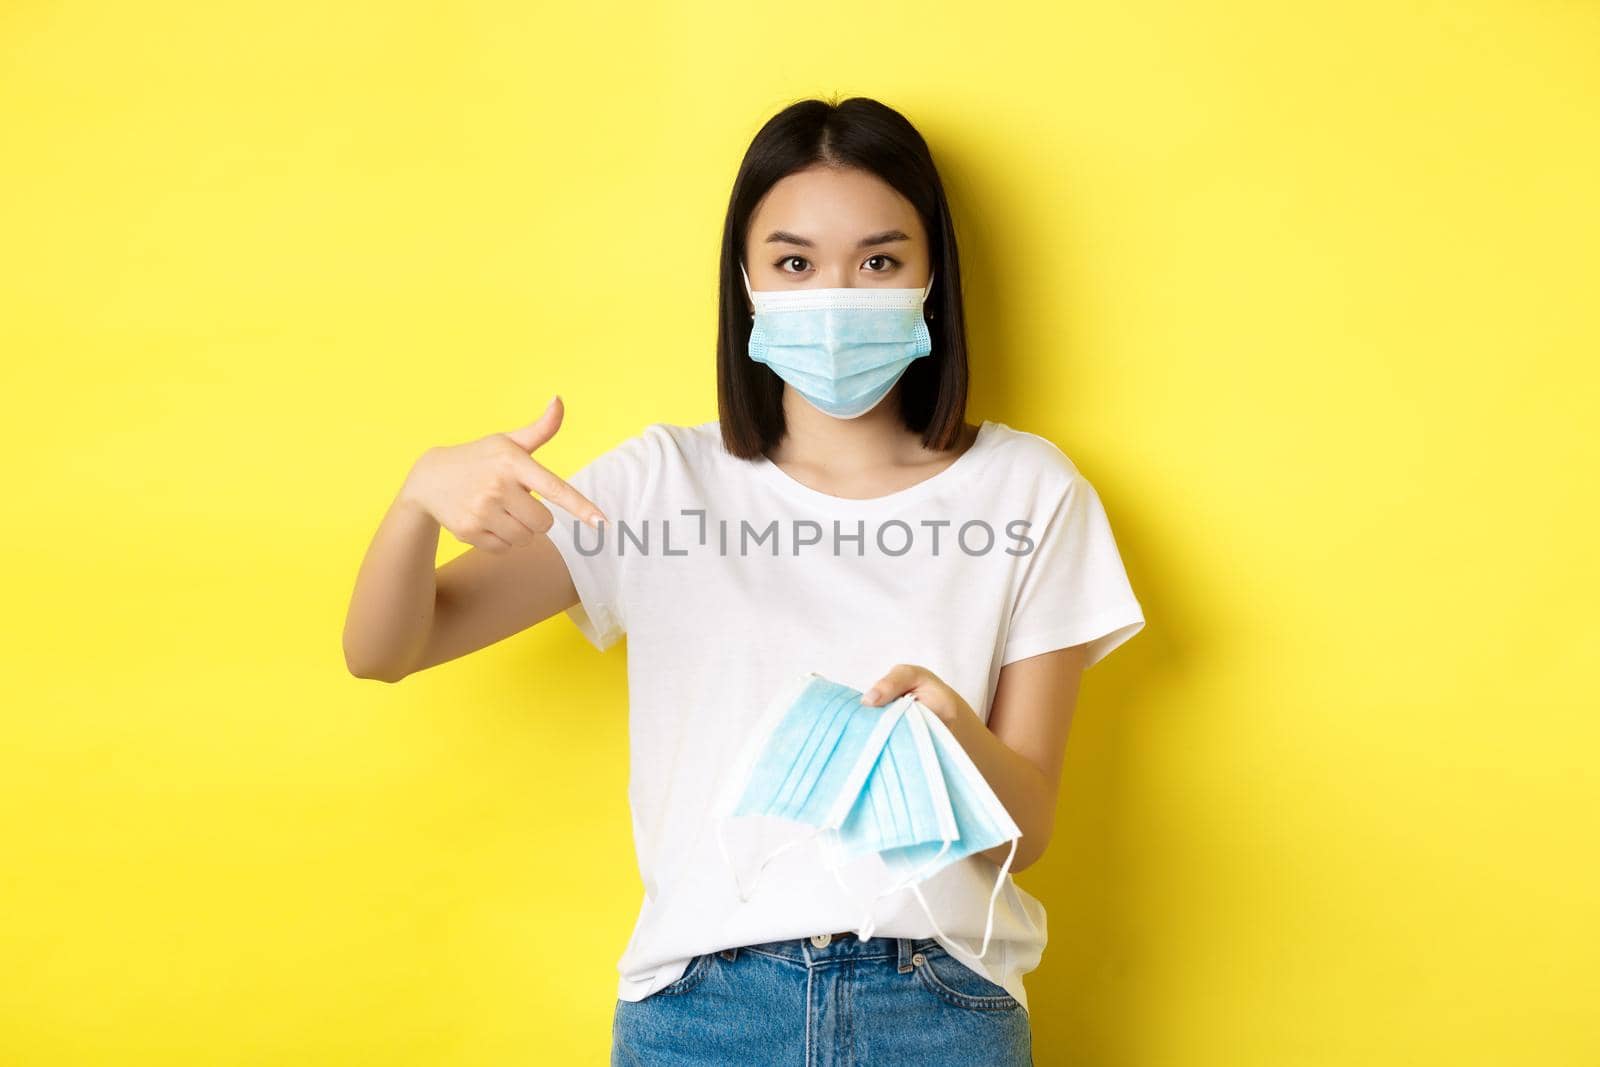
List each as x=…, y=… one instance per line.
x=788, y=484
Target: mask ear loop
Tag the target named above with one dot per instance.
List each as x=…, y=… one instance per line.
x=909, y=882
x=744, y=894
x=868, y=924
x=988, y=926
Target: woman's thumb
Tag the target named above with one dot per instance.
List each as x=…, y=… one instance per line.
x=541, y=429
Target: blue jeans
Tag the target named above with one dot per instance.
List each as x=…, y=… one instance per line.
x=847, y=1003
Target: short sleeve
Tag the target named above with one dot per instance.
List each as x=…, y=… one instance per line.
x=1074, y=588
x=616, y=480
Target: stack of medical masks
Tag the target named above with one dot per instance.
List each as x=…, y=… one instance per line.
x=841, y=349
x=889, y=780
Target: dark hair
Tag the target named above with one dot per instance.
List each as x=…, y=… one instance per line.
x=863, y=133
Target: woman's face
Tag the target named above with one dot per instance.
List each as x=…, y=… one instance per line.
x=835, y=228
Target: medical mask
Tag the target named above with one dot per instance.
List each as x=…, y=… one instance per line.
x=981, y=822
x=903, y=789
x=841, y=349
x=805, y=761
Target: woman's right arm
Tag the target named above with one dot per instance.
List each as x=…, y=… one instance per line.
x=405, y=615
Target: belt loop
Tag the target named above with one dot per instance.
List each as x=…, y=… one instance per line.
x=903, y=944
x=731, y=954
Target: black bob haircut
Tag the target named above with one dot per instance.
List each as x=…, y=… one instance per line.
x=858, y=132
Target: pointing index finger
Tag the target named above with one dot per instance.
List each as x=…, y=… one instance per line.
x=538, y=478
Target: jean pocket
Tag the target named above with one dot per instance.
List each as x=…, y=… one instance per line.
x=699, y=966
x=956, y=983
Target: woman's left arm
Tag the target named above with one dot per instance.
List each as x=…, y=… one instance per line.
x=1021, y=749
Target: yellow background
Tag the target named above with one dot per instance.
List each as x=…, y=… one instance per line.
x=1308, y=294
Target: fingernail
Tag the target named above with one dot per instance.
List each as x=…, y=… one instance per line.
x=871, y=696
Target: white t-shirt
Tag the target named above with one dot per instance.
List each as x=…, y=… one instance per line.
x=730, y=578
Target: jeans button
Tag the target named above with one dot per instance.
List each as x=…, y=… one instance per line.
x=821, y=940
x=918, y=959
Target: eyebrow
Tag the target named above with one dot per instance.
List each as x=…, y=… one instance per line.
x=883, y=238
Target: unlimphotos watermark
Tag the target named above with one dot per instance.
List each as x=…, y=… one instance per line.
x=892, y=537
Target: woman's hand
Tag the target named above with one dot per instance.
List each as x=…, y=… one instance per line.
x=479, y=490
x=930, y=691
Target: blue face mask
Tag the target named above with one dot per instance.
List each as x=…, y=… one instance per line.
x=903, y=788
x=980, y=822
x=817, y=742
x=841, y=349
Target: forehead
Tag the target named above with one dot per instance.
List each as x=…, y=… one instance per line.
x=833, y=207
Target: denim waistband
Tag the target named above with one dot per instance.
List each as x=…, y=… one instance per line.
x=805, y=952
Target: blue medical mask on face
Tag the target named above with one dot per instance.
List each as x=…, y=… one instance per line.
x=898, y=784
x=841, y=349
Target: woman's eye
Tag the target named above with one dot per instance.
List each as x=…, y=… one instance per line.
x=889, y=263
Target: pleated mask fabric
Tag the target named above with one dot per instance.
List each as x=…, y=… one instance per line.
x=890, y=781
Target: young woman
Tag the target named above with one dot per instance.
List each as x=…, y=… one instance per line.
x=840, y=517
